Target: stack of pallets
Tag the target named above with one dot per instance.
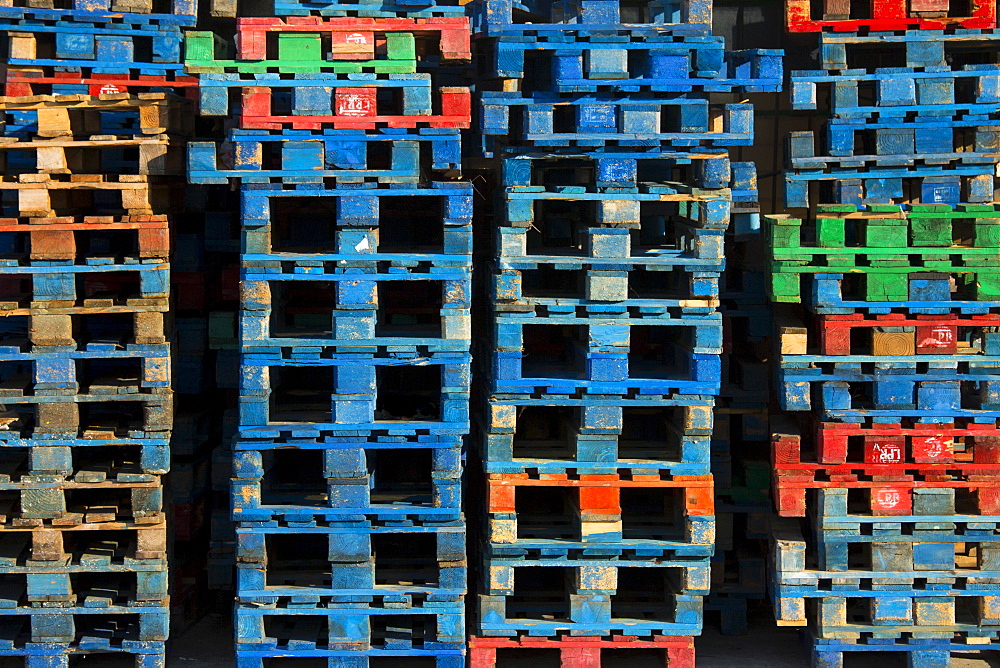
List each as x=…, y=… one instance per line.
x=896, y=352
x=610, y=124
x=92, y=155
x=354, y=327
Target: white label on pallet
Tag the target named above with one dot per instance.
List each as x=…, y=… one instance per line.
x=888, y=453
x=354, y=105
x=888, y=498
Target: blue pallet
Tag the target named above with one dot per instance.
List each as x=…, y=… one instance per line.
x=56, y=373
x=372, y=268
x=359, y=204
x=603, y=363
x=385, y=434
x=351, y=400
x=893, y=394
x=429, y=567
x=354, y=584
x=357, y=219
x=926, y=92
x=59, y=625
x=356, y=331
x=545, y=609
x=595, y=398
x=669, y=65
x=36, y=587
x=684, y=17
x=306, y=437
x=921, y=48
x=308, y=157
x=103, y=50
x=948, y=184
x=689, y=571
x=627, y=390
x=612, y=339
x=595, y=439
x=703, y=209
x=349, y=487
x=628, y=313
x=893, y=563
x=623, y=171
x=39, y=458
x=56, y=281
x=360, y=316
x=897, y=572
x=104, y=12
x=603, y=119
x=56, y=655
x=896, y=143
x=891, y=585
x=920, y=652
x=435, y=625
x=434, y=658
x=894, y=378
x=928, y=294
x=605, y=288
x=154, y=443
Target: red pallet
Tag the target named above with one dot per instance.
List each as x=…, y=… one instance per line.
x=934, y=334
x=885, y=470
x=354, y=38
x=600, y=495
x=888, y=15
x=28, y=81
x=55, y=238
x=356, y=110
x=898, y=442
x=583, y=652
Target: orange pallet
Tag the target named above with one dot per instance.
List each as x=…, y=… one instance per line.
x=600, y=494
x=581, y=652
x=60, y=238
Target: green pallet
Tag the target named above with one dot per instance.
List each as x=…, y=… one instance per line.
x=299, y=53
x=887, y=243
